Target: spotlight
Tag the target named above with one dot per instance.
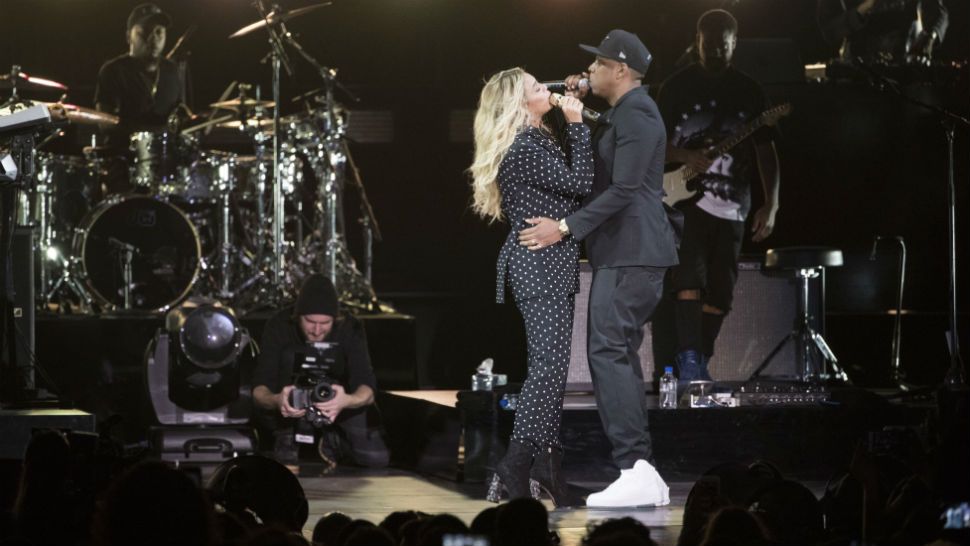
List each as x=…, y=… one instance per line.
x=209, y=335
x=192, y=371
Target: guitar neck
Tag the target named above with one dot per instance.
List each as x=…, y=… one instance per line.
x=730, y=142
x=736, y=139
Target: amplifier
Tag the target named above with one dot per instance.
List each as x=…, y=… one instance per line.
x=763, y=314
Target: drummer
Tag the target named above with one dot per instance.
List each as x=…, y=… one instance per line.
x=141, y=87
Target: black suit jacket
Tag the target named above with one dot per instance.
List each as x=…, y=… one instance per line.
x=538, y=179
x=624, y=221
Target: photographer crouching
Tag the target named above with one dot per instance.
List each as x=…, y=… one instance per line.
x=313, y=378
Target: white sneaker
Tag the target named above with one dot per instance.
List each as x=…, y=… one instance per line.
x=637, y=486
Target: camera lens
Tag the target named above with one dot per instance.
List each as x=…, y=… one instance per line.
x=322, y=392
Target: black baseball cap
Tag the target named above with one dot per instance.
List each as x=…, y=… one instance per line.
x=148, y=13
x=624, y=47
x=317, y=297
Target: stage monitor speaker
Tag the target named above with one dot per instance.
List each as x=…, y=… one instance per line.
x=763, y=314
x=18, y=379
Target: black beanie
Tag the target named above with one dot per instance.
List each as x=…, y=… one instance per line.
x=317, y=297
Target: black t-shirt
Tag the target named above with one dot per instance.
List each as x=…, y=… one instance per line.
x=700, y=109
x=142, y=100
x=282, y=339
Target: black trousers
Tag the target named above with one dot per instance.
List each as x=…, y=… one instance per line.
x=548, y=328
x=621, y=300
x=708, y=256
x=357, y=432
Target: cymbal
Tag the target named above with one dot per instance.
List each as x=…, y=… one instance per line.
x=236, y=104
x=28, y=82
x=275, y=17
x=81, y=115
x=260, y=123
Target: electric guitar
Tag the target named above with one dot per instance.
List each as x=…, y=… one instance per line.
x=675, y=181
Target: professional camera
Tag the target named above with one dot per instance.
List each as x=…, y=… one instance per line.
x=312, y=379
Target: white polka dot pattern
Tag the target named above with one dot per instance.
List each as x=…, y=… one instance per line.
x=538, y=179
x=548, y=328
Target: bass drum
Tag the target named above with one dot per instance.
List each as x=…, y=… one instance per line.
x=165, y=252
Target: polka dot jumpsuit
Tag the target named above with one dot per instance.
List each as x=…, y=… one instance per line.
x=537, y=178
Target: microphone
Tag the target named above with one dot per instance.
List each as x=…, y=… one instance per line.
x=560, y=85
x=589, y=114
x=123, y=246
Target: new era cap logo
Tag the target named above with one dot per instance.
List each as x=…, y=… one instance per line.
x=622, y=55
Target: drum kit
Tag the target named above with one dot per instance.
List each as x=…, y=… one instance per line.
x=244, y=228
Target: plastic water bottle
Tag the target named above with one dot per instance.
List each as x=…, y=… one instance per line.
x=668, y=389
x=509, y=401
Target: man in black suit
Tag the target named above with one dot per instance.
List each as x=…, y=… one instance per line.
x=630, y=244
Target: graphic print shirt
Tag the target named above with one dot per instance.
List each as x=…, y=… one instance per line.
x=700, y=110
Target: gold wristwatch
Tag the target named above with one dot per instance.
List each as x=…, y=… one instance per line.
x=563, y=228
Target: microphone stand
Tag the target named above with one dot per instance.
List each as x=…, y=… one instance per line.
x=127, y=253
x=896, y=371
x=955, y=378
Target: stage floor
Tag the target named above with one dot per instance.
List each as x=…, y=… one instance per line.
x=373, y=494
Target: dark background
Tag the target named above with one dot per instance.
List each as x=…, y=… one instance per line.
x=855, y=163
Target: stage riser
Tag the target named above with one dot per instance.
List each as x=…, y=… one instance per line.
x=17, y=426
x=807, y=442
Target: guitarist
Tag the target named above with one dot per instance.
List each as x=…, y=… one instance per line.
x=702, y=104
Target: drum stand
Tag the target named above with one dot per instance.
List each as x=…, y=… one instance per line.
x=269, y=287
x=46, y=250
x=69, y=281
x=330, y=167
x=225, y=247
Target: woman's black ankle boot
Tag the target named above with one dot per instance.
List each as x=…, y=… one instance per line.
x=512, y=473
x=547, y=473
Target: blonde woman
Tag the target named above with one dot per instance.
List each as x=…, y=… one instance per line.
x=522, y=173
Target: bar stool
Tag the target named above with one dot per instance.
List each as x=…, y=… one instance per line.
x=811, y=350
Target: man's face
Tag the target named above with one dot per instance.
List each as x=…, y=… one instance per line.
x=602, y=75
x=316, y=327
x=716, y=48
x=146, y=41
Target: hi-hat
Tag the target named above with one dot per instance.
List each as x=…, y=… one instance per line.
x=82, y=115
x=247, y=104
x=275, y=17
x=29, y=83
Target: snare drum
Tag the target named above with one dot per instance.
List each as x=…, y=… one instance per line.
x=165, y=262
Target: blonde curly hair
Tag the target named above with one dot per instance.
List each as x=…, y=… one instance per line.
x=501, y=114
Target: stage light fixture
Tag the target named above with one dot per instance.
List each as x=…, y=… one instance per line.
x=194, y=384
x=193, y=365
